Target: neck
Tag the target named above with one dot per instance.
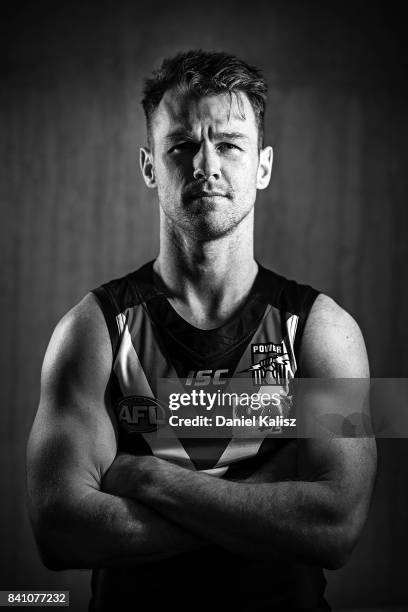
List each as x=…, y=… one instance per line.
x=206, y=281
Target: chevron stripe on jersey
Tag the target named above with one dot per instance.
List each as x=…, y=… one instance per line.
x=151, y=341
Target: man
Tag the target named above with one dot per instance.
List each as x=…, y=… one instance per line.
x=196, y=522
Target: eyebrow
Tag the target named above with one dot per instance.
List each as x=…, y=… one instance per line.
x=179, y=134
x=230, y=136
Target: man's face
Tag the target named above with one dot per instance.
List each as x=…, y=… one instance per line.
x=205, y=162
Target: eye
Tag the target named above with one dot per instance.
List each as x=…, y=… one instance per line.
x=227, y=146
x=183, y=147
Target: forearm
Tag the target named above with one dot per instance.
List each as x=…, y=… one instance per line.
x=294, y=518
x=98, y=529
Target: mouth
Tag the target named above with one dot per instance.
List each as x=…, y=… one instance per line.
x=207, y=194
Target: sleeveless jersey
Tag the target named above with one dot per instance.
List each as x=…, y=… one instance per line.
x=150, y=341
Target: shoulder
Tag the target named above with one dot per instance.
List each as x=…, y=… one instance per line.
x=83, y=322
x=332, y=343
x=80, y=344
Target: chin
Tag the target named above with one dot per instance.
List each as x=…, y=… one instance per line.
x=206, y=230
x=207, y=223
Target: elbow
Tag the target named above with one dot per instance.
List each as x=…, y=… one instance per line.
x=336, y=559
x=54, y=548
x=50, y=552
x=343, y=529
x=46, y=538
x=341, y=544
x=52, y=561
x=62, y=540
x=55, y=560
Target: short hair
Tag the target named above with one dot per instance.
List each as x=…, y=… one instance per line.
x=202, y=73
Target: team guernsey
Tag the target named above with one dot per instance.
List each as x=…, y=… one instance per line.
x=153, y=344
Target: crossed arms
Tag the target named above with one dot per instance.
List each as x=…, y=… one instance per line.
x=93, y=508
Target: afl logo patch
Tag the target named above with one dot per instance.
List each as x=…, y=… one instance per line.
x=140, y=414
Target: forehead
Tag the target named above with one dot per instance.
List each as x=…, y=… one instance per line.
x=182, y=111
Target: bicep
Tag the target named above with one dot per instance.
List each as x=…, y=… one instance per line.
x=73, y=441
x=337, y=447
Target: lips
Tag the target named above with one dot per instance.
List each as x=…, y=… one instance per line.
x=197, y=192
x=207, y=194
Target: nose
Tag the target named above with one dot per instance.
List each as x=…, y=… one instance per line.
x=206, y=163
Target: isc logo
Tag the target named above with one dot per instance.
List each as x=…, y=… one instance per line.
x=200, y=378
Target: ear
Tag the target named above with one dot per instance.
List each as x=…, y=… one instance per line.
x=264, y=168
x=147, y=167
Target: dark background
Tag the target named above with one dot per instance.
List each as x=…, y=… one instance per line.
x=75, y=212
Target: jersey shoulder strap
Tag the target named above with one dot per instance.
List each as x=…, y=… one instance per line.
x=120, y=294
x=287, y=296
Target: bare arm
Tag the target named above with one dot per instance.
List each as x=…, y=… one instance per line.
x=316, y=517
x=71, y=446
